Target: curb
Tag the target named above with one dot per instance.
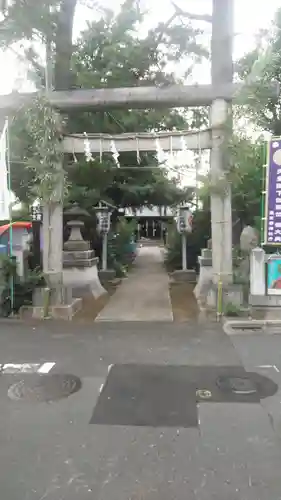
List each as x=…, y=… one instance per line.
x=11, y=321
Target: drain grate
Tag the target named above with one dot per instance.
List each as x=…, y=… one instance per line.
x=238, y=385
x=45, y=388
x=249, y=327
x=252, y=326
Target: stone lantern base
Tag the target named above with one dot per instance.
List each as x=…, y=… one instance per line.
x=81, y=273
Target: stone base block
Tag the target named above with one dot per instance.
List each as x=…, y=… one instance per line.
x=231, y=294
x=57, y=295
x=181, y=276
x=64, y=312
x=265, y=300
x=266, y=313
x=79, y=259
x=69, y=255
x=76, y=245
x=106, y=275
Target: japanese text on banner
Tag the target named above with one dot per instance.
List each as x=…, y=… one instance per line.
x=273, y=195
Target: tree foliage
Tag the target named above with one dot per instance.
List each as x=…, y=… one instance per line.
x=247, y=179
x=268, y=48
x=111, y=53
x=31, y=23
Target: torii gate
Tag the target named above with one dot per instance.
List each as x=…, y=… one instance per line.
x=218, y=95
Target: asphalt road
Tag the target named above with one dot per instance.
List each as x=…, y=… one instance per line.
x=136, y=428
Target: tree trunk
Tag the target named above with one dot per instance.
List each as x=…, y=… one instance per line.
x=63, y=53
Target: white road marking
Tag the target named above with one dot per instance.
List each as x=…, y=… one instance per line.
x=108, y=370
x=11, y=368
x=274, y=367
x=14, y=368
x=46, y=367
x=203, y=394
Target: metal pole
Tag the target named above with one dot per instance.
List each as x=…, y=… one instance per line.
x=8, y=154
x=197, y=167
x=104, y=252
x=184, y=261
x=36, y=232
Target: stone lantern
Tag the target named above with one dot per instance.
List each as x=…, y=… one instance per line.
x=184, y=225
x=75, y=224
x=79, y=262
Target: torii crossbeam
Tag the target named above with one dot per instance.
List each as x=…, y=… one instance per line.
x=173, y=96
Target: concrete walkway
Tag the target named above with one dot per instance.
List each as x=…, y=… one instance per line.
x=144, y=294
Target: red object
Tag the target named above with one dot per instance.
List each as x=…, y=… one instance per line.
x=16, y=225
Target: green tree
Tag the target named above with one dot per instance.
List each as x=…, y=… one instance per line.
x=264, y=111
x=247, y=181
x=247, y=177
x=33, y=23
x=111, y=53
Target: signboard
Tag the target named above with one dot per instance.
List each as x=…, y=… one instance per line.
x=184, y=221
x=274, y=275
x=272, y=233
x=188, y=221
x=104, y=222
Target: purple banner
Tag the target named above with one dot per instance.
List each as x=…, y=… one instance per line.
x=273, y=194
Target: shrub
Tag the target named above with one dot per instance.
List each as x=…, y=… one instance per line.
x=121, y=246
x=173, y=259
x=11, y=284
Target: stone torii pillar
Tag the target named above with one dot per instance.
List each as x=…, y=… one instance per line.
x=221, y=210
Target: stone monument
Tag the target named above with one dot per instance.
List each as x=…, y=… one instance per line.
x=248, y=241
x=206, y=291
x=205, y=279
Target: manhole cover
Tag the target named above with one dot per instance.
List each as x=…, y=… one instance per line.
x=238, y=385
x=45, y=388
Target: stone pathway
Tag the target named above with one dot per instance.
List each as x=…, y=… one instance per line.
x=144, y=294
